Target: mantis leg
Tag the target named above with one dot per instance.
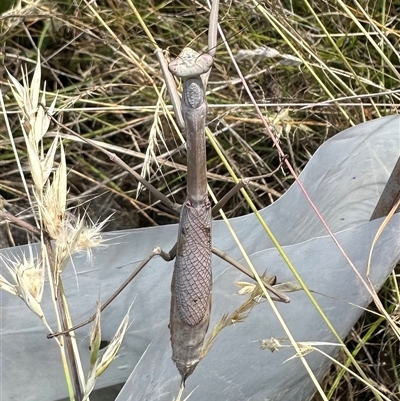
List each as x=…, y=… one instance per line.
x=171, y=88
x=175, y=207
x=234, y=262
x=268, y=285
x=241, y=184
x=217, y=207
x=157, y=251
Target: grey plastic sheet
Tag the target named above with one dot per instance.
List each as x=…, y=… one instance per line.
x=344, y=178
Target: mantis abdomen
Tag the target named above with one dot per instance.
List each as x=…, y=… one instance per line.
x=191, y=286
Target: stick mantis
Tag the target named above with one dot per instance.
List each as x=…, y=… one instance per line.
x=192, y=277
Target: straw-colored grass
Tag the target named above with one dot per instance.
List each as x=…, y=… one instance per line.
x=328, y=66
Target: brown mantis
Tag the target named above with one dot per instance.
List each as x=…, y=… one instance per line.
x=192, y=276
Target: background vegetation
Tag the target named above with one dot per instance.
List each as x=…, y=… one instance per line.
x=334, y=65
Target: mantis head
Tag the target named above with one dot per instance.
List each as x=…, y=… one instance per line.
x=190, y=64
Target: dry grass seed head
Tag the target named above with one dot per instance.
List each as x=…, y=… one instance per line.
x=35, y=122
x=76, y=237
x=28, y=275
x=272, y=344
x=113, y=347
x=237, y=316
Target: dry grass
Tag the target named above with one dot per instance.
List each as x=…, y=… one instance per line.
x=348, y=58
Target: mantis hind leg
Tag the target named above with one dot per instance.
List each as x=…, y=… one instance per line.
x=268, y=284
x=157, y=251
